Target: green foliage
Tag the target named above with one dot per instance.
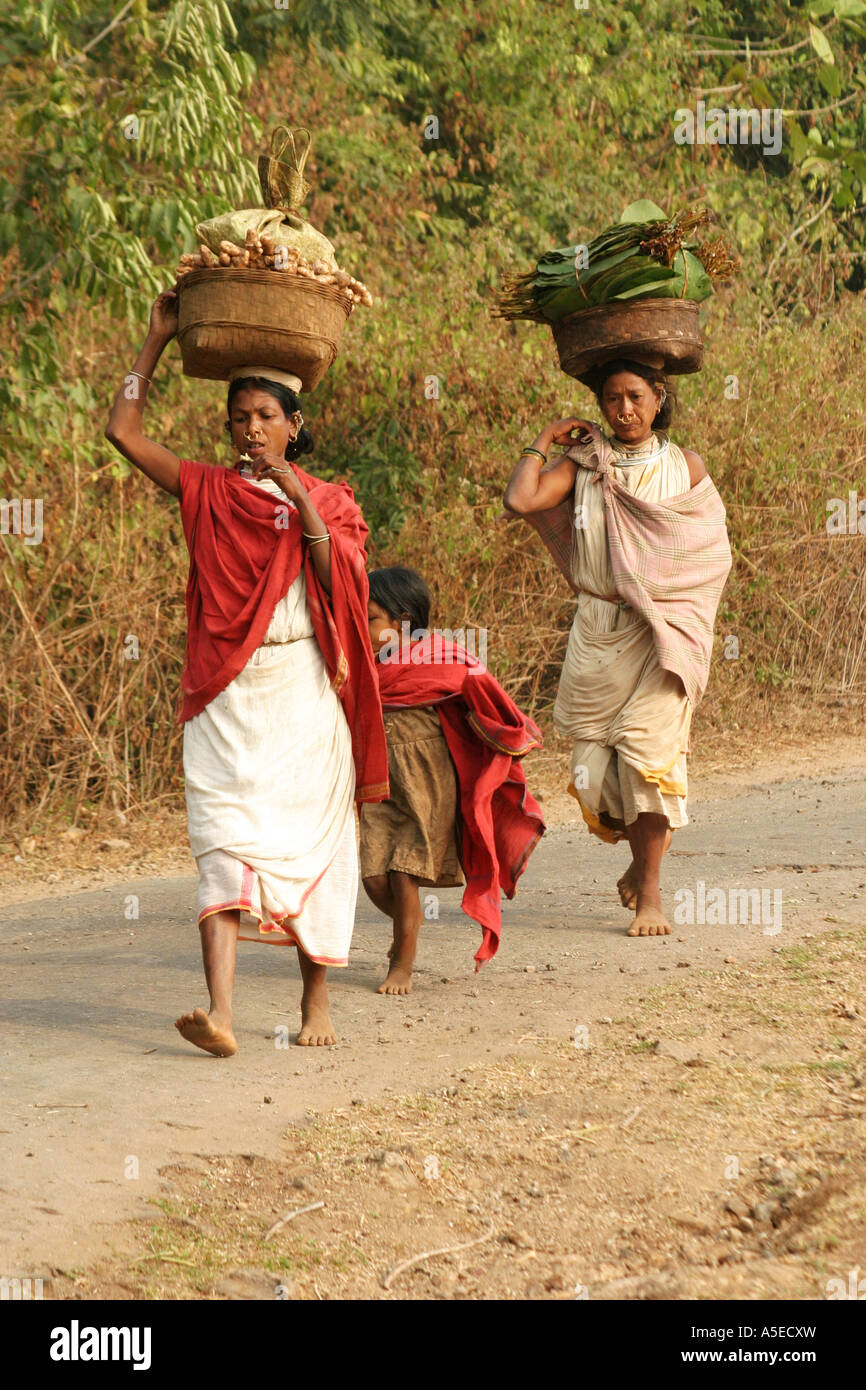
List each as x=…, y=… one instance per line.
x=543, y=110
x=125, y=135
x=808, y=62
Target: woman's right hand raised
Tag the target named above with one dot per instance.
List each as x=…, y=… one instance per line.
x=163, y=316
x=560, y=432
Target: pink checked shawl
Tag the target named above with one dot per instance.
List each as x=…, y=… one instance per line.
x=670, y=559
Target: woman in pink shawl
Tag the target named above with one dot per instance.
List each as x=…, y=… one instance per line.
x=636, y=525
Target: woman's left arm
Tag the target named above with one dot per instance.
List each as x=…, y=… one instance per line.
x=697, y=467
x=312, y=524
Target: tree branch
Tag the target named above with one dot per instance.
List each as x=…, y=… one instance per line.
x=748, y=50
x=13, y=291
x=796, y=232
x=822, y=110
x=77, y=57
x=717, y=91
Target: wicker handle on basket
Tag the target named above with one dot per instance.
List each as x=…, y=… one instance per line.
x=282, y=179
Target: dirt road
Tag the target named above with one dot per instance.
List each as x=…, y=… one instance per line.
x=100, y=1093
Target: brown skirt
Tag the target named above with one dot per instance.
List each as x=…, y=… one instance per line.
x=415, y=831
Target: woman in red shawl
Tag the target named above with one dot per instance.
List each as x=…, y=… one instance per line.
x=282, y=721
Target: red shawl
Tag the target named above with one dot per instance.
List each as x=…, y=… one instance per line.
x=245, y=551
x=500, y=821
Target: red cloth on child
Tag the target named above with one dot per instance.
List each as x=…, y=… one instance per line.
x=246, y=549
x=500, y=821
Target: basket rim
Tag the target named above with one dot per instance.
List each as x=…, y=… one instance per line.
x=688, y=306
x=265, y=329
x=253, y=274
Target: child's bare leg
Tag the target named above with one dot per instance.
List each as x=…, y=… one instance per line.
x=407, y=922
x=317, y=1030
x=627, y=885
x=378, y=890
x=213, y=1031
x=647, y=836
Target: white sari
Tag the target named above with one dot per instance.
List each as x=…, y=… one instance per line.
x=270, y=785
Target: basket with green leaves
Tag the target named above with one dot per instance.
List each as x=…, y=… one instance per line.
x=632, y=291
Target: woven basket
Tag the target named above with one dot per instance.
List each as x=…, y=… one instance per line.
x=228, y=318
x=664, y=333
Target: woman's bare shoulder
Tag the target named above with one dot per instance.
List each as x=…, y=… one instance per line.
x=697, y=467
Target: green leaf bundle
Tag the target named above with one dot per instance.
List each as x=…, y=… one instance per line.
x=645, y=255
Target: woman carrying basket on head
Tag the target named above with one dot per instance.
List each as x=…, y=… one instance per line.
x=638, y=528
x=282, y=722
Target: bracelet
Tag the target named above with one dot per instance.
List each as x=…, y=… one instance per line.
x=314, y=539
x=140, y=375
x=538, y=452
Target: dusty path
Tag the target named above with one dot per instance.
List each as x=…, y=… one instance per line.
x=99, y=1093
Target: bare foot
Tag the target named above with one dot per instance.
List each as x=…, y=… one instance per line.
x=398, y=980
x=627, y=886
x=401, y=958
x=212, y=1035
x=649, y=920
x=317, y=1030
